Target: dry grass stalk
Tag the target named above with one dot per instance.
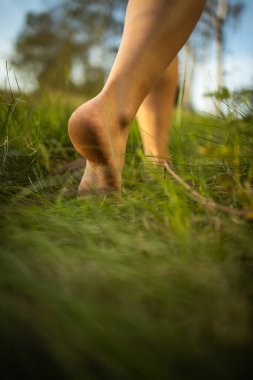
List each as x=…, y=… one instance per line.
x=206, y=201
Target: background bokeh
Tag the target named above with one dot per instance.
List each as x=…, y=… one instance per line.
x=85, y=67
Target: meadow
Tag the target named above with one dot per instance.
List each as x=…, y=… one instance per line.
x=149, y=285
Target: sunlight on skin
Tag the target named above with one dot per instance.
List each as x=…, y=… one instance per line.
x=149, y=44
x=155, y=113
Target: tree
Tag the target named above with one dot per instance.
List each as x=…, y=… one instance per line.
x=217, y=16
x=189, y=63
x=53, y=42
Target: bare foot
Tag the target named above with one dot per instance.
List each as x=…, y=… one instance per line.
x=99, y=133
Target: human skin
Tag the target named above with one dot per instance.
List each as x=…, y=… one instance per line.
x=155, y=113
x=154, y=32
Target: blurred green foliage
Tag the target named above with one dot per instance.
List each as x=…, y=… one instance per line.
x=56, y=43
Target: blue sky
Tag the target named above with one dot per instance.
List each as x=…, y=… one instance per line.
x=238, y=52
x=12, y=17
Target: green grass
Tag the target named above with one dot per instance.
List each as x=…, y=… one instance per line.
x=149, y=286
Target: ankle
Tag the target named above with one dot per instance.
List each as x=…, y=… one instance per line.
x=124, y=113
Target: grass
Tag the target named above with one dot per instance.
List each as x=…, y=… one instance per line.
x=149, y=286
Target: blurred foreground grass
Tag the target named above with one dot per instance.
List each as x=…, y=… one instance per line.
x=150, y=286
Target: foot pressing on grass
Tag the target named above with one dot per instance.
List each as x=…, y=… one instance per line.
x=99, y=133
x=153, y=35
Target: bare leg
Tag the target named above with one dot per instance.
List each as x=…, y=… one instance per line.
x=154, y=115
x=154, y=32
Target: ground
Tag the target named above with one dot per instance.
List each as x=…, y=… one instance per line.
x=151, y=285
